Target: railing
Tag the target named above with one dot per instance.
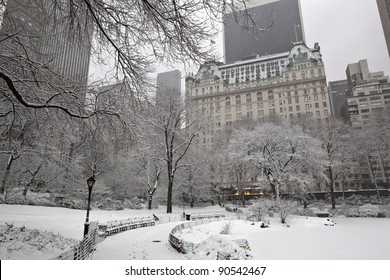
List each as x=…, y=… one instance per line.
x=85, y=247
x=98, y=232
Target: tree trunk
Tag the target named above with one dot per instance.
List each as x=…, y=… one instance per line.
x=6, y=174
x=150, y=202
x=375, y=183
x=169, y=196
x=26, y=189
x=332, y=196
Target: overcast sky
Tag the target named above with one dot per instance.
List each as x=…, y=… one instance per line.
x=347, y=31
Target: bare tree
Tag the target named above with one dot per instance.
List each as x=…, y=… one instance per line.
x=335, y=139
x=173, y=136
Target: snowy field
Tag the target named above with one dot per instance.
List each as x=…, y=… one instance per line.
x=304, y=239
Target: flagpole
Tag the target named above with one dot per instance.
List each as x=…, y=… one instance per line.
x=296, y=34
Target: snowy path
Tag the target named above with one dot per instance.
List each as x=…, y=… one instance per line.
x=150, y=243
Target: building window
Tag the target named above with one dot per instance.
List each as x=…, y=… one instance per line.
x=306, y=99
x=259, y=97
x=227, y=101
x=324, y=104
x=298, y=108
x=248, y=98
x=325, y=113
x=317, y=105
x=307, y=107
x=296, y=99
x=238, y=100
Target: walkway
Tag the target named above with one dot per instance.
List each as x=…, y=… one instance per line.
x=150, y=243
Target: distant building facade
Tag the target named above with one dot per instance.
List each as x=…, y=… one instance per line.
x=368, y=94
x=384, y=12
x=49, y=42
x=169, y=83
x=288, y=85
x=338, y=96
x=281, y=18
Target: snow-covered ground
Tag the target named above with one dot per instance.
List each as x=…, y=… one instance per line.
x=304, y=239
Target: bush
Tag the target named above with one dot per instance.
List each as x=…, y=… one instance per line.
x=262, y=209
x=227, y=229
x=285, y=208
x=364, y=213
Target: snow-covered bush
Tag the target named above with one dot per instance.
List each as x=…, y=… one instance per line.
x=227, y=229
x=262, y=208
x=365, y=211
x=285, y=208
x=27, y=243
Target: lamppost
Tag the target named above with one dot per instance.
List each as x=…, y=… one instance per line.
x=184, y=212
x=90, y=182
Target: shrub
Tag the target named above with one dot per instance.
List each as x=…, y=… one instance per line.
x=261, y=209
x=227, y=229
x=285, y=208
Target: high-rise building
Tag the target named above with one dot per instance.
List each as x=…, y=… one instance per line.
x=338, y=96
x=169, y=83
x=47, y=40
x=283, y=23
x=368, y=93
x=384, y=12
x=287, y=85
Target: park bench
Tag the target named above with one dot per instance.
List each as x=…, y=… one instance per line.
x=194, y=217
x=123, y=225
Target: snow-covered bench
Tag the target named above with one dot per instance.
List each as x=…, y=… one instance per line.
x=194, y=217
x=123, y=225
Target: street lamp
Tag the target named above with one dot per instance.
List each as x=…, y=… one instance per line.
x=90, y=182
x=184, y=212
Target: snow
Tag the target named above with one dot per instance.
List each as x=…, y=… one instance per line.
x=303, y=239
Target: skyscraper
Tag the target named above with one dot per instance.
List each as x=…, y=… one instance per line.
x=47, y=40
x=338, y=96
x=169, y=83
x=281, y=18
x=384, y=12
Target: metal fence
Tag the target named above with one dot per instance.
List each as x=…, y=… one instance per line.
x=83, y=250
x=98, y=232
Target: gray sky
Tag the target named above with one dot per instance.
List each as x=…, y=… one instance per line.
x=347, y=31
